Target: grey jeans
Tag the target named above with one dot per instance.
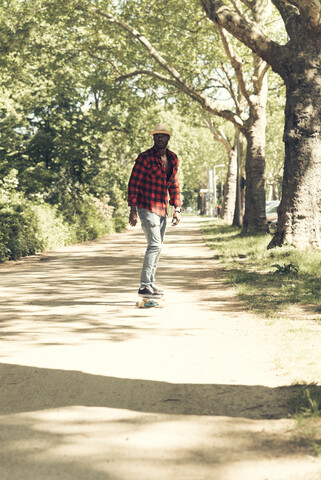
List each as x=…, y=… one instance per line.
x=154, y=228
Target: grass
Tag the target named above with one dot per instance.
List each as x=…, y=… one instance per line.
x=306, y=402
x=306, y=408
x=269, y=281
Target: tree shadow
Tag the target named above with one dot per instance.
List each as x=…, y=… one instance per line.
x=58, y=290
x=31, y=388
x=58, y=423
x=94, y=285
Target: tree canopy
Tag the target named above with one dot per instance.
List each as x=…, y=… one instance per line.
x=82, y=83
x=297, y=61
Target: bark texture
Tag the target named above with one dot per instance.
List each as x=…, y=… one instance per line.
x=229, y=199
x=299, y=222
x=255, y=216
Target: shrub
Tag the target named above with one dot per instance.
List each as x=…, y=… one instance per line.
x=28, y=227
x=18, y=226
x=120, y=223
x=90, y=220
x=52, y=230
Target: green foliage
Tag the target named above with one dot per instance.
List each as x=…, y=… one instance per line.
x=71, y=125
x=30, y=226
x=52, y=230
x=286, y=269
x=18, y=229
x=248, y=264
x=27, y=228
x=88, y=221
x=306, y=401
x=120, y=223
x=274, y=137
x=305, y=405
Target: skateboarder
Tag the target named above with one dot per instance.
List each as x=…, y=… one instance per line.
x=153, y=177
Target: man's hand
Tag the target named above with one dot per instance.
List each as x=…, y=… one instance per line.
x=133, y=217
x=176, y=218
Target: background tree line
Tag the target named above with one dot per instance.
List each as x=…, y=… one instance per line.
x=82, y=84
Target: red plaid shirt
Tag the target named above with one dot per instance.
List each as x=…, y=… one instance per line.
x=148, y=186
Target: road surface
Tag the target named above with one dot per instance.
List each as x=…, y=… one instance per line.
x=93, y=388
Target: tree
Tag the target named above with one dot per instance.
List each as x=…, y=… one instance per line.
x=230, y=191
x=298, y=62
x=251, y=97
x=274, y=143
x=252, y=84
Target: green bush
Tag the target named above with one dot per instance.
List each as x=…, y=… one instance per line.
x=18, y=227
x=28, y=227
x=52, y=231
x=120, y=223
x=89, y=222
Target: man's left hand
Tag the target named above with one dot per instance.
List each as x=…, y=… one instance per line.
x=176, y=218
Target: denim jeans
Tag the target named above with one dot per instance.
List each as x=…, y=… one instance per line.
x=154, y=228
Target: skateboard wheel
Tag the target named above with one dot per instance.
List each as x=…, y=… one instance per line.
x=150, y=302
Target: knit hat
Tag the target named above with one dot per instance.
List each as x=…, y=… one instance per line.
x=161, y=128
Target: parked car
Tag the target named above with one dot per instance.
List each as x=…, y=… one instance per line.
x=272, y=214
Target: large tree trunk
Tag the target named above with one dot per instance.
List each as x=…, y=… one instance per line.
x=299, y=221
x=255, y=217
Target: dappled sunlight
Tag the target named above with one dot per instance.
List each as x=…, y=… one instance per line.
x=78, y=312
x=88, y=292
x=93, y=387
x=100, y=443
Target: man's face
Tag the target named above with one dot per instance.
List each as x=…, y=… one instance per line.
x=161, y=140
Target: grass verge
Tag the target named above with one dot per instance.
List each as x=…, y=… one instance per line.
x=271, y=282
x=306, y=408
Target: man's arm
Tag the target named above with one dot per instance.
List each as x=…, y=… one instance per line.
x=175, y=200
x=133, y=184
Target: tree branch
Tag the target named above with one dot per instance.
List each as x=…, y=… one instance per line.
x=262, y=71
x=236, y=63
x=231, y=91
x=218, y=134
x=309, y=9
x=244, y=30
x=176, y=78
x=150, y=73
x=314, y=11
x=289, y=14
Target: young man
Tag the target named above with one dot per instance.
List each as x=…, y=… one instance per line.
x=153, y=177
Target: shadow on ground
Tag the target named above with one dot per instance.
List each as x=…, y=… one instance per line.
x=255, y=402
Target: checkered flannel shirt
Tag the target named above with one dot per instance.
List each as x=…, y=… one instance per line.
x=148, y=185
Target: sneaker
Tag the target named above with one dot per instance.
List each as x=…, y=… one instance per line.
x=146, y=291
x=157, y=291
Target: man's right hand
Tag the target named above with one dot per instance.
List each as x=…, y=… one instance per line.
x=133, y=217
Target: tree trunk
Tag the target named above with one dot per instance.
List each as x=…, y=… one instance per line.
x=238, y=217
x=255, y=217
x=298, y=62
x=299, y=220
x=228, y=206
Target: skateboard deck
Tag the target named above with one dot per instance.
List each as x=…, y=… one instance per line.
x=150, y=302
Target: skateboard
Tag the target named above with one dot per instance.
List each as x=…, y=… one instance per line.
x=150, y=302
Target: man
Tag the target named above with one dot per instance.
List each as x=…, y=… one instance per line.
x=153, y=177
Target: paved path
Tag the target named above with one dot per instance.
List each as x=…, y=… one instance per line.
x=93, y=388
